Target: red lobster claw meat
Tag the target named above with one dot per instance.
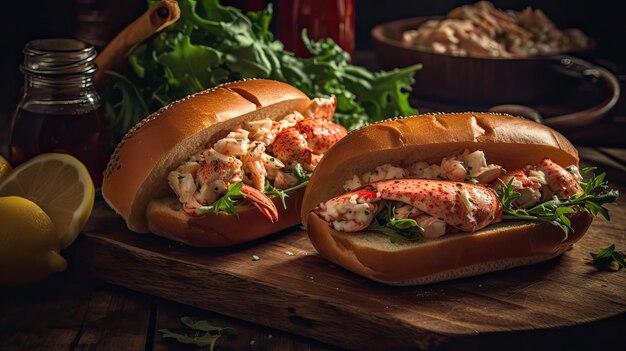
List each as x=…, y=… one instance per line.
x=259, y=200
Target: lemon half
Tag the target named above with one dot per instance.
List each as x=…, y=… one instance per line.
x=61, y=185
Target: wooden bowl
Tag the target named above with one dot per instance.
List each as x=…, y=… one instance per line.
x=484, y=81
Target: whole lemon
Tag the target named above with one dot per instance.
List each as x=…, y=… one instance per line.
x=5, y=168
x=29, y=245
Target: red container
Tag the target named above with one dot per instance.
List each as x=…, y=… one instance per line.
x=322, y=18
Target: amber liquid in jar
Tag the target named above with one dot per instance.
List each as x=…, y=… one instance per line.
x=60, y=110
x=82, y=135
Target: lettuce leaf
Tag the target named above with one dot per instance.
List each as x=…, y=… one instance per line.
x=211, y=44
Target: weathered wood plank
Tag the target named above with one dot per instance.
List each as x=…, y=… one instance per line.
x=47, y=316
x=249, y=336
x=71, y=312
x=115, y=320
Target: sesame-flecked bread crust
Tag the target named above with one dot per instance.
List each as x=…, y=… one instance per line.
x=506, y=140
x=137, y=171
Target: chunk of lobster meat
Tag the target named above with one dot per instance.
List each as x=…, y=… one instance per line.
x=403, y=211
x=432, y=227
x=453, y=169
x=320, y=134
x=255, y=197
x=560, y=181
x=322, y=108
x=446, y=200
x=477, y=167
x=528, y=188
x=423, y=170
x=284, y=180
x=234, y=144
x=467, y=207
x=350, y=212
x=217, y=166
x=259, y=128
x=182, y=181
x=385, y=171
x=272, y=165
x=253, y=165
x=488, y=174
x=291, y=148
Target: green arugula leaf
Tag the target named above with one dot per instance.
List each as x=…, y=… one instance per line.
x=282, y=193
x=300, y=173
x=584, y=171
x=226, y=202
x=188, y=66
x=209, y=338
x=393, y=234
x=200, y=341
x=272, y=191
x=396, y=229
x=211, y=44
x=596, y=194
x=131, y=105
x=608, y=255
x=203, y=325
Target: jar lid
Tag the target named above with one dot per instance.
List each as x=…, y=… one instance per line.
x=59, y=57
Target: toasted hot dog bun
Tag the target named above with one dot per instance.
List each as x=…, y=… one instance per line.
x=135, y=181
x=506, y=140
x=220, y=229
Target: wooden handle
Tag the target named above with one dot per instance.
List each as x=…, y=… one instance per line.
x=152, y=21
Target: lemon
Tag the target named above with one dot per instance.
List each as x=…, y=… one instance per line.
x=29, y=245
x=60, y=184
x=5, y=168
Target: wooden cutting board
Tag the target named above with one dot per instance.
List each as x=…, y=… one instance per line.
x=291, y=288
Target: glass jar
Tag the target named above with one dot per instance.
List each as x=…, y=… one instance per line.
x=60, y=110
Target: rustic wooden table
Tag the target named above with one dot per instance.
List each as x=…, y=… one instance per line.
x=74, y=311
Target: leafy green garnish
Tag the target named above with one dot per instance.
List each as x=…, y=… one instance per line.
x=608, y=255
x=282, y=193
x=123, y=113
x=396, y=229
x=555, y=211
x=208, y=338
x=270, y=190
x=303, y=180
x=300, y=173
x=211, y=44
x=225, y=203
x=228, y=201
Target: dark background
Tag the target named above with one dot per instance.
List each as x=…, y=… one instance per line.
x=602, y=20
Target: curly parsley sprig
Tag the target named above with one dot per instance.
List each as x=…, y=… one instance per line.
x=596, y=193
